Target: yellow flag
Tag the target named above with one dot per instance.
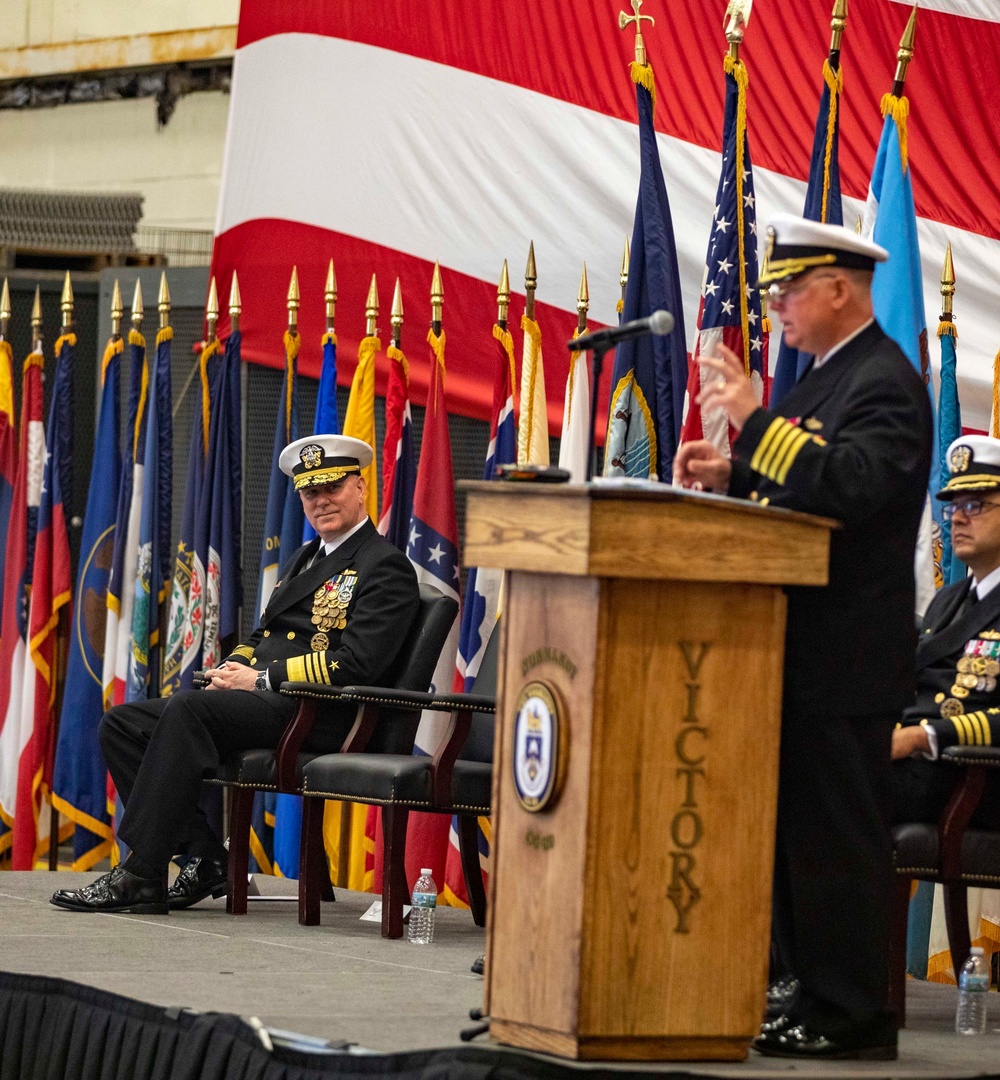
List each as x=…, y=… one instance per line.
x=359, y=423
x=533, y=427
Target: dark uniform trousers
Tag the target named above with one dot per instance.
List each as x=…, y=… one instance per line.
x=850, y=441
x=336, y=619
x=959, y=638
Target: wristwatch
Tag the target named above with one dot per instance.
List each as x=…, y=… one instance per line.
x=261, y=683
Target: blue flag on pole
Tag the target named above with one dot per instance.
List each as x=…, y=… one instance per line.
x=79, y=783
x=650, y=373
x=218, y=534
x=823, y=203
x=152, y=565
x=327, y=420
x=949, y=429
x=185, y=625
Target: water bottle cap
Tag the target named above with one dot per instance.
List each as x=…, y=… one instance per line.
x=425, y=871
x=977, y=950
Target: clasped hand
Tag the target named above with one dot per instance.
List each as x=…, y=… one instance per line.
x=230, y=677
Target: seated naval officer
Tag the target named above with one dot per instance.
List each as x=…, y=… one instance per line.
x=851, y=441
x=339, y=615
x=958, y=652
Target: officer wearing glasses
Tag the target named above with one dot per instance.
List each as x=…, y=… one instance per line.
x=958, y=655
x=851, y=441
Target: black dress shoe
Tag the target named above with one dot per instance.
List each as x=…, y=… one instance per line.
x=806, y=1045
x=479, y=965
x=782, y=995
x=198, y=878
x=120, y=891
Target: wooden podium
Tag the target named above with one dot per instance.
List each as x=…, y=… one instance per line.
x=636, y=759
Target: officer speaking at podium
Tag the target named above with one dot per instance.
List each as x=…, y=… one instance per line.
x=852, y=441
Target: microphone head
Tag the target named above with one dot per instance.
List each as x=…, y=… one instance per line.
x=661, y=322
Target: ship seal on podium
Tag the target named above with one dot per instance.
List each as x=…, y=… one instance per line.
x=539, y=746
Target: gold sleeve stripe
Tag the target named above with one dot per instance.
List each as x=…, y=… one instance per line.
x=243, y=650
x=778, y=445
x=764, y=444
x=978, y=724
x=296, y=669
x=788, y=459
x=321, y=664
x=311, y=667
x=959, y=730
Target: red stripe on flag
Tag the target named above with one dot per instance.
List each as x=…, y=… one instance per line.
x=469, y=311
x=952, y=127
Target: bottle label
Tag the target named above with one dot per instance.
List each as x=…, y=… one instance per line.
x=425, y=900
x=975, y=983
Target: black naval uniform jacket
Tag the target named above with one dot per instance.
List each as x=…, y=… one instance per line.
x=851, y=441
x=366, y=588
x=958, y=669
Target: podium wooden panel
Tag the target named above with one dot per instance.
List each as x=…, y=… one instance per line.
x=630, y=918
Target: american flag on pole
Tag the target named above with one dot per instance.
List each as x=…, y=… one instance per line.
x=730, y=302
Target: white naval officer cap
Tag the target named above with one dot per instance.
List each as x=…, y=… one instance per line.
x=797, y=245
x=974, y=465
x=324, y=459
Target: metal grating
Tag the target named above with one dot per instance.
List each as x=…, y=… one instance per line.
x=69, y=222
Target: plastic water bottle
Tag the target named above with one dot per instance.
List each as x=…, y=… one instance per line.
x=973, y=984
x=425, y=898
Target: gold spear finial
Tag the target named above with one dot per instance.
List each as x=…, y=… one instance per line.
x=838, y=23
x=137, y=311
x=371, y=309
x=530, y=282
x=396, y=318
x=735, y=22
x=66, y=303
x=330, y=296
x=948, y=282
x=117, y=311
x=212, y=310
x=623, y=273
x=582, y=301
x=503, y=297
x=437, y=298
x=905, y=54
x=36, y=321
x=235, y=300
x=163, y=301
x=293, y=300
x=624, y=20
x=4, y=309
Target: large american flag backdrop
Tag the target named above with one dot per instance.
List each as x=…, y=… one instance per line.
x=391, y=135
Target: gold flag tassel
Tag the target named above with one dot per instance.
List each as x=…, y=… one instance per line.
x=834, y=79
x=895, y=103
x=640, y=69
x=737, y=15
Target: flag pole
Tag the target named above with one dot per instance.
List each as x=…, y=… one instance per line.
x=503, y=298
x=5, y=311
x=66, y=307
x=905, y=53
x=396, y=318
x=163, y=610
x=330, y=297
x=437, y=300
x=582, y=302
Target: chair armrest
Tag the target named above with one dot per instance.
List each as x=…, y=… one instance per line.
x=973, y=755
x=390, y=698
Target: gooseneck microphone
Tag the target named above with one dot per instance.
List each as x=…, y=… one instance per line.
x=658, y=324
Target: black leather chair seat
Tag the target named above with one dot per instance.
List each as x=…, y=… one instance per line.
x=472, y=786
x=918, y=855
x=256, y=769
x=371, y=778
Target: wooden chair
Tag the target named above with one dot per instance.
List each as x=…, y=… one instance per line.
x=280, y=770
x=456, y=780
x=950, y=854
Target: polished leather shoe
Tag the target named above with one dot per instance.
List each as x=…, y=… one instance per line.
x=782, y=995
x=198, y=879
x=119, y=891
x=807, y=1045
x=479, y=965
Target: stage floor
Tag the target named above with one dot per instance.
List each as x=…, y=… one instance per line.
x=341, y=980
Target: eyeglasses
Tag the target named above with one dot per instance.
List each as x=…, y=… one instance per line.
x=787, y=290
x=970, y=507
